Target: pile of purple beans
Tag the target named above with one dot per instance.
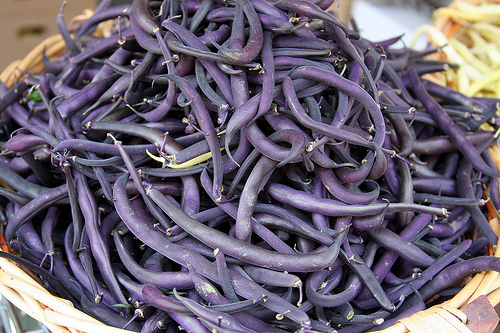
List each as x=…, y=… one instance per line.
x=244, y=166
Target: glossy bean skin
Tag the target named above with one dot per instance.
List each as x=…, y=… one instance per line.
x=425, y=276
x=464, y=180
x=449, y=127
x=251, y=254
x=145, y=231
x=169, y=280
x=262, y=169
x=33, y=207
x=334, y=208
x=402, y=247
x=335, y=188
x=255, y=40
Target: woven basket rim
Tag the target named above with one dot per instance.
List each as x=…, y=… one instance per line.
x=59, y=315
x=20, y=289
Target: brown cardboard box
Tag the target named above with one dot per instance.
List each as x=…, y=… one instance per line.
x=25, y=23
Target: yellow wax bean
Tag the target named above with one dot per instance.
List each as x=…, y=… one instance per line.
x=476, y=86
x=482, y=8
x=494, y=55
x=463, y=82
x=156, y=158
x=474, y=35
x=469, y=57
x=489, y=53
x=472, y=73
x=197, y=160
x=439, y=39
x=476, y=43
x=452, y=78
x=458, y=14
x=489, y=31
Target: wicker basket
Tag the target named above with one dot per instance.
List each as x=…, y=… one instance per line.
x=28, y=295
x=59, y=315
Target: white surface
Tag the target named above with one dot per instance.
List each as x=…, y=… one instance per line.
x=377, y=23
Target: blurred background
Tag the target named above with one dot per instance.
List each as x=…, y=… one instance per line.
x=25, y=23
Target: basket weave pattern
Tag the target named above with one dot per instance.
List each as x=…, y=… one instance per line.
x=23, y=291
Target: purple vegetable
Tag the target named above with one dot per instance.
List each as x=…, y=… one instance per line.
x=205, y=161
